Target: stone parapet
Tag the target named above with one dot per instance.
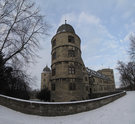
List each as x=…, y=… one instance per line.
x=56, y=108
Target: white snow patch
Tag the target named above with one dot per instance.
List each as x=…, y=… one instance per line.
x=121, y=111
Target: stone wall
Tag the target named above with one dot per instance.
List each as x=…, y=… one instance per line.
x=56, y=108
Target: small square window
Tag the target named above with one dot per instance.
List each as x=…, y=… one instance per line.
x=72, y=80
x=71, y=39
x=71, y=70
x=85, y=78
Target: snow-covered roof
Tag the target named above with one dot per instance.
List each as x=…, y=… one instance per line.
x=96, y=74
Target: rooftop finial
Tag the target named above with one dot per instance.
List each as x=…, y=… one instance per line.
x=65, y=21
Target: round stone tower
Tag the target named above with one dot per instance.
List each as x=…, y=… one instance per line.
x=45, y=78
x=67, y=66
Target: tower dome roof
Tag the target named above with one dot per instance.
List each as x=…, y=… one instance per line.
x=46, y=69
x=66, y=28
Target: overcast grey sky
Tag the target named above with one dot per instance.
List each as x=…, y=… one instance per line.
x=104, y=27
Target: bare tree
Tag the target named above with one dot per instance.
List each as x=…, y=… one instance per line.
x=127, y=74
x=44, y=94
x=20, y=27
x=132, y=47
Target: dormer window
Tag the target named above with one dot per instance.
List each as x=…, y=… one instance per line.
x=71, y=39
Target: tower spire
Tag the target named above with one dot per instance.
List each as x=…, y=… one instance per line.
x=65, y=21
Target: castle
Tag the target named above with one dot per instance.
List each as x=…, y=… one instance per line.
x=69, y=79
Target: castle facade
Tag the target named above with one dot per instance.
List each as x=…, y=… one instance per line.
x=69, y=79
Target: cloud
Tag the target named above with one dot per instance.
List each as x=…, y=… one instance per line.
x=70, y=17
x=124, y=8
x=126, y=38
x=129, y=27
x=88, y=18
x=95, y=36
x=103, y=26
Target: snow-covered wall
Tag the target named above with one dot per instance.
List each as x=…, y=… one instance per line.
x=56, y=108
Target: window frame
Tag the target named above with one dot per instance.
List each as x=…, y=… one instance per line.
x=71, y=70
x=54, y=43
x=86, y=79
x=53, y=71
x=71, y=39
x=54, y=56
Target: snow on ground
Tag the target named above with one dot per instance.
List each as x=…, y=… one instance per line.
x=121, y=111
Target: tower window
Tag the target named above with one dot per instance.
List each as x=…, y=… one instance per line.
x=71, y=70
x=72, y=80
x=71, y=53
x=53, y=87
x=54, y=56
x=72, y=86
x=53, y=72
x=71, y=39
x=85, y=78
x=53, y=42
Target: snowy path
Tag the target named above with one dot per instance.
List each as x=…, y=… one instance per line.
x=121, y=111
